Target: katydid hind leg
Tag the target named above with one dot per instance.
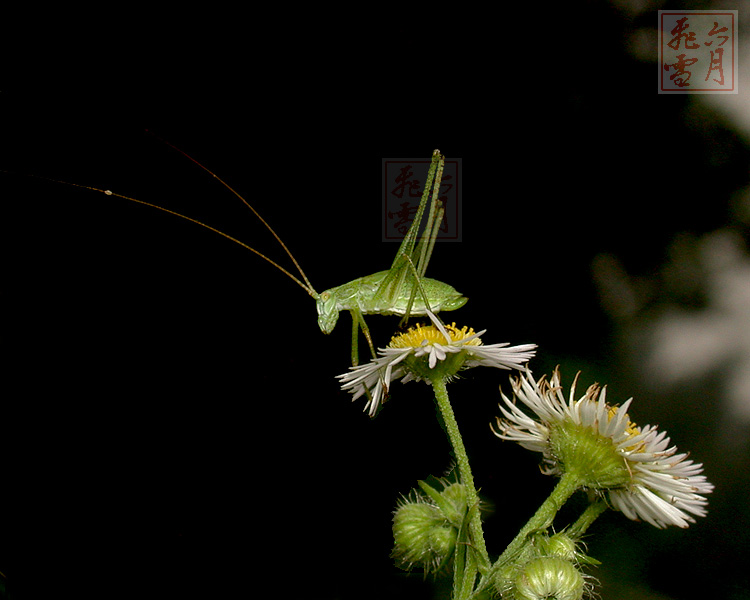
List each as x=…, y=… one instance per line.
x=426, y=245
x=417, y=287
x=402, y=270
x=392, y=285
x=410, y=239
x=425, y=253
x=433, y=238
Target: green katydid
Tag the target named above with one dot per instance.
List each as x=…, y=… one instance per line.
x=401, y=290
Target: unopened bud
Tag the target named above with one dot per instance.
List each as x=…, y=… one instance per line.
x=423, y=536
x=548, y=577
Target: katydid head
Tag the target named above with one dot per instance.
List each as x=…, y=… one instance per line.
x=328, y=312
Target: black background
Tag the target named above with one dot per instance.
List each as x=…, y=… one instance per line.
x=172, y=420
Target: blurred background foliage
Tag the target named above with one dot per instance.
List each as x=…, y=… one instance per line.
x=173, y=424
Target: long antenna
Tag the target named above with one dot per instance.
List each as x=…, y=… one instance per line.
x=310, y=288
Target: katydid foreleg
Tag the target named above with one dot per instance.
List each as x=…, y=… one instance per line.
x=358, y=322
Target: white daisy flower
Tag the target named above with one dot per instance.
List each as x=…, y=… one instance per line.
x=641, y=473
x=423, y=352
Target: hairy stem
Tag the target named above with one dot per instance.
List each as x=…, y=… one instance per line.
x=543, y=517
x=464, y=470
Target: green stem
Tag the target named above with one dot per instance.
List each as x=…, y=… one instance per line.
x=541, y=520
x=543, y=517
x=577, y=529
x=464, y=470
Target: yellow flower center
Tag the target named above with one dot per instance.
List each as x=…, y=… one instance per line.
x=416, y=336
x=632, y=429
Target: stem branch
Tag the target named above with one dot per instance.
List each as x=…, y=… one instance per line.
x=542, y=519
x=593, y=510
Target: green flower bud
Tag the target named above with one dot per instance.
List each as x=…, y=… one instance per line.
x=423, y=535
x=548, y=577
x=544, y=562
x=559, y=545
x=455, y=503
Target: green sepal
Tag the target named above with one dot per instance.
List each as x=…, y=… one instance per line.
x=451, y=501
